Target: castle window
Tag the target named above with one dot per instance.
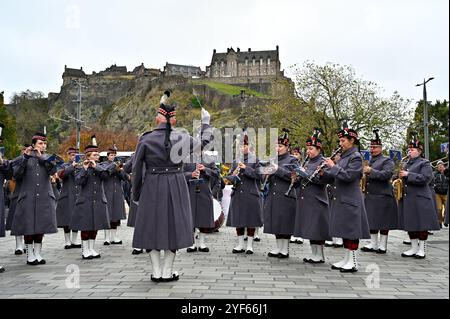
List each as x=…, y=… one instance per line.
x=246, y=62
x=268, y=61
x=253, y=61
x=260, y=61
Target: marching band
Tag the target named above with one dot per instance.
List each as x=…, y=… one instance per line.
x=172, y=203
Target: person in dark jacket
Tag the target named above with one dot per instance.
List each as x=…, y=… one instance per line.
x=380, y=203
x=417, y=213
x=91, y=208
x=312, y=210
x=5, y=174
x=35, y=213
x=279, y=209
x=67, y=198
x=199, y=177
x=15, y=190
x=441, y=189
x=348, y=215
x=114, y=195
x=246, y=205
x=164, y=218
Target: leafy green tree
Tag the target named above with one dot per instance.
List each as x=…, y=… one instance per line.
x=438, y=114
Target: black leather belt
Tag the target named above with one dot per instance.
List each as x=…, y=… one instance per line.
x=164, y=170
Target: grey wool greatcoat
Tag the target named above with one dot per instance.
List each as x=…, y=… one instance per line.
x=279, y=210
x=202, y=203
x=5, y=174
x=312, y=219
x=15, y=194
x=416, y=208
x=91, y=208
x=67, y=197
x=246, y=205
x=127, y=168
x=163, y=219
x=114, y=191
x=348, y=215
x=35, y=211
x=381, y=205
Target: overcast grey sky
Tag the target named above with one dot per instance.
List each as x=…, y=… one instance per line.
x=395, y=43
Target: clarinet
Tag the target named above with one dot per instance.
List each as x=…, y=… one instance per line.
x=321, y=166
x=293, y=180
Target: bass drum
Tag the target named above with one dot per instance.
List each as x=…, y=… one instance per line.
x=219, y=216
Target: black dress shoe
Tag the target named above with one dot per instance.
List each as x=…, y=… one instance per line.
x=33, y=263
x=204, y=250
x=67, y=246
x=238, y=251
x=249, y=252
x=256, y=239
x=245, y=239
x=353, y=269
x=154, y=279
x=336, y=268
x=106, y=243
x=368, y=249
x=18, y=252
x=116, y=242
x=380, y=251
x=405, y=242
x=137, y=251
x=312, y=261
x=191, y=250
x=273, y=255
x=282, y=256
x=338, y=245
x=88, y=257
x=328, y=245
x=42, y=262
x=419, y=257
x=407, y=256
x=2, y=270
x=75, y=246
x=174, y=277
x=148, y=250
x=98, y=256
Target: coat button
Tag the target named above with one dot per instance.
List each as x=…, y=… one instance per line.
x=37, y=194
x=334, y=187
x=302, y=197
x=274, y=193
x=167, y=169
x=37, y=184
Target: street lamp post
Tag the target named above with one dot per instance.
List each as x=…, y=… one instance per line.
x=425, y=117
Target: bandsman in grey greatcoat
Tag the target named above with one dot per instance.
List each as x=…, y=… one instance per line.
x=127, y=168
x=312, y=211
x=35, y=212
x=114, y=195
x=66, y=200
x=164, y=219
x=5, y=174
x=348, y=215
x=417, y=213
x=91, y=208
x=297, y=153
x=380, y=203
x=200, y=177
x=20, y=246
x=246, y=205
x=279, y=209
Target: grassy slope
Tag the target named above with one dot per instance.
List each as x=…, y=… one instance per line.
x=229, y=89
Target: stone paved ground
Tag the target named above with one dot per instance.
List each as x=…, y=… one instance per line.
x=221, y=274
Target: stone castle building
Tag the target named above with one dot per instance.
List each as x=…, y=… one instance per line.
x=182, y=70
x=245, y=66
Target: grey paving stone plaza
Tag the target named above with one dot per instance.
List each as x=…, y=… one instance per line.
x=221, y=274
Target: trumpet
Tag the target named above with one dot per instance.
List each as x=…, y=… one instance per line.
x=197, y=185
x=236, y=173
x=398, y=184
